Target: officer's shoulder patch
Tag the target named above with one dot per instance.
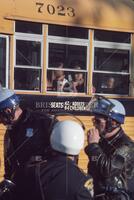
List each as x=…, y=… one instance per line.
x=89, y=184
x=29, y=132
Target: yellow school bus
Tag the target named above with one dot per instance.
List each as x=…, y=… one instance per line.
x=57, y=53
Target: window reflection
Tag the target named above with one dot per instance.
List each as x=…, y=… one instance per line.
x=28, y=27
x=66, y=31
x=70, y=55
x=115, y=60
x=28, y=53
x=111, y=36
x=27, y=79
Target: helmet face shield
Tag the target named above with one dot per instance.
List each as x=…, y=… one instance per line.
x=100, y=105
x=107, y=108
x=10, y=102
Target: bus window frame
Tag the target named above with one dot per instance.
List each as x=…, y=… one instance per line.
x=32, y=38
x=112, y=45
x=69, y=41
x=7, y=59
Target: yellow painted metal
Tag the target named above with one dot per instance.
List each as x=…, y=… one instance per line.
x=6, y=26
x=44, y=74
x=100, y=14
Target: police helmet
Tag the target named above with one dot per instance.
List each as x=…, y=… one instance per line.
x=110, y=108
x=8, y=99
x=67, y=137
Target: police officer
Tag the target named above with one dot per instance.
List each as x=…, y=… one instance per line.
x=110, y=151
x=26, y=139
x=60, y=178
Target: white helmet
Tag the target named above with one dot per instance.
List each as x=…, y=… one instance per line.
x=67, y=137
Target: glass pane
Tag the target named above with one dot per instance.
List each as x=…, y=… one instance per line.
x=3, y=62
x=111, y=36
x=111, y=83
x=114, y=60
x=71, y=56
x=65, y=81
x=28, y=53
x=27, y=79
x=66, y=31
x=28, y=27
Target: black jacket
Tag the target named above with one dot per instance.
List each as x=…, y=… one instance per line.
x=60, y=179
x=111, y=165
x=28, y=138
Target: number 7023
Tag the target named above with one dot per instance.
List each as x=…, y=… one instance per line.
x=58, y=10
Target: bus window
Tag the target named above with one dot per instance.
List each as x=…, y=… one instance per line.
x=28, y=27
x=66, y=31
x=3, y=61
x=111, y=83
x=111, y=68
x=27, y=79
x=28, y=60
x=111, y=36
x=68, y=54
x=28, y=53
x=114, y=60
x=67, y=57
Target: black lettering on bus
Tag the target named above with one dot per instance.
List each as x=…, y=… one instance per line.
x=71, y=12
x=40, y=6
x=61, y=10
x=51, y=9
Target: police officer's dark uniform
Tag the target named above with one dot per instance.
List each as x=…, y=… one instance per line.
x=111, y=165
x=26, y=142
x=60, y=178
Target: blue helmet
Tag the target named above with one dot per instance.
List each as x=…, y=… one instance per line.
x=109, y=108
x=8, y=99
